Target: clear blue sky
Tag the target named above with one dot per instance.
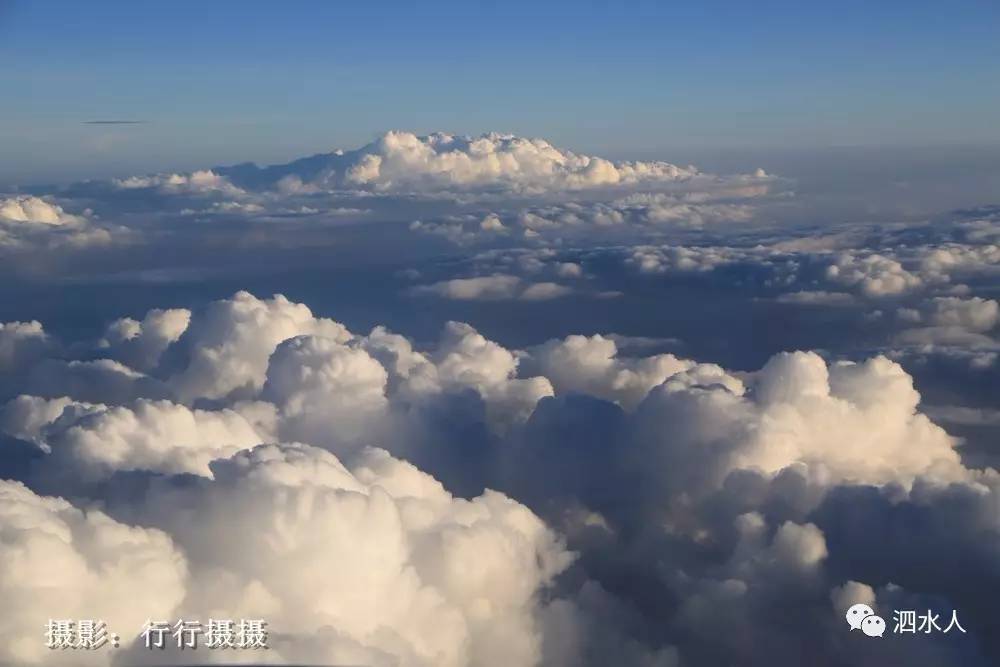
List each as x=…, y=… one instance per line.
x=219, y=82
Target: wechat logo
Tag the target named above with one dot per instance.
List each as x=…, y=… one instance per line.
x=861, y=616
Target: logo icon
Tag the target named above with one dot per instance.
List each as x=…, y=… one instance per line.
x=873, y=626
x=857, y=613
x=861, y=616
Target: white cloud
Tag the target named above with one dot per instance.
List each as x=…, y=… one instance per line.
x=705, y=502
x=93, y=441
x=29, y=224
x=32, y=210
x=951, y=321
x=640, y=213
x=851, y=593
x=873, y=274
x=858, y=421
x=64, y=562
x=403, y=160
x=230, y=342
x=495, y=287
x=591, y=365
x=709, y=486
x=140, y=344
x=420, y=576
x=569, y=270
x=482, y=288
x=544, y=291
x=21, y=343
x=326, y=391
x=663, y=259
x=974, y=314
x=941, y=261
x=197, y=182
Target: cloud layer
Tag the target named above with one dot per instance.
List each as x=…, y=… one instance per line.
x=278, y=477
x=521, y=406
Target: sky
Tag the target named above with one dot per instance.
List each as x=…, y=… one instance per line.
x=226, y=82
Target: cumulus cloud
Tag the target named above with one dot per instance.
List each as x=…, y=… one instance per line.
x=591, y=365
x=66, y=562
x=716, y=491
x=874, y=274
x=861, y=422
x=197, y=182
x=421, y=577
x=400, y=160
x=858, y=421
x=140, y=343
x=941, y=261
x=652, y=259
x=950, y=321
x=94, y=441
x=975, y=314
x=650, y=508
x=492, y=188
x=29, y=223
x=229, y=344
x=325, y=391
x=21, y=343
x=32, y=210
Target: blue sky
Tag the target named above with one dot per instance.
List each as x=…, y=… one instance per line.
x=225, y=82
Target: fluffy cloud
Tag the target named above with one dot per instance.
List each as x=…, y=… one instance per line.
x=874, y=274
x=32, y=210
x=30, y=223
x=941, y=261
x=140, y=343
x=849, y=423
x=950, y=321
x=21, y=343
x=466, y=359
x=59, y=561
x=718, y=493
x=652, y=259
x=702, y=502
x=93, y=441
x=718, y=513
x=229, y=344
x=975, y=314
x=419, y=577
x=590, y=365
x=325, y=391
x=404, y=160
x=197, y=182
x=859, y=421
x=484, y=189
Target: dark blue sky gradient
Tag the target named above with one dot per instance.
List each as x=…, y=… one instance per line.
x=231, y=81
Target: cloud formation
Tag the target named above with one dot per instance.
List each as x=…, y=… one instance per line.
x=401, y=160
x=77, y=563
x=657, y=478
x=495, y=287
x=723, y=492
x=29, y=223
